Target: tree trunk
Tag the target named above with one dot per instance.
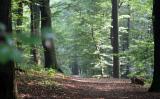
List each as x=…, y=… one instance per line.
x=35, y=30
x=7, y=74
x=126, y=41
x=114, y=39
x=155, y=87
x=19, y=20
x=75, y=67
x=47, y=38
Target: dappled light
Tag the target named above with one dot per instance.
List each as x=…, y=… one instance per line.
x=86, y=88
x=79, y=49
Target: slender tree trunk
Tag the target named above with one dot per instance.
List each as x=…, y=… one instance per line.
x=35, y=30
x=19, y=21
x=126, y=44
x=126, y=36
x=7, y=74
x=75, y=67
x=155, y=87
x=115, y=39
x=47, y=38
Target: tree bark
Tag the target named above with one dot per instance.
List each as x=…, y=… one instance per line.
x=47, y=39
x=19, y=20
x=115, y=39
x=155, y=87
x=35, y=30
x=7, y=74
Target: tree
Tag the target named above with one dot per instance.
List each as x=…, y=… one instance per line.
x=114, y=38
x=19, y=14
x=127, y=39
x=35, y=29
x=125, y=42
x=7, y=74
x=47, y=37
x=155, y=87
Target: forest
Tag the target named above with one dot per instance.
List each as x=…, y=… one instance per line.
x=79, y=49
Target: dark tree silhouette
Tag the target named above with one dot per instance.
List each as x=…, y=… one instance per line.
x=19, y=21
x=155, y=87
x=47, y=38
x=7, y=74
x=114, y=39
x=48, y=44
x=35, y=29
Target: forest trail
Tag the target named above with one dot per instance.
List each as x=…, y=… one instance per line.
x=81, y=88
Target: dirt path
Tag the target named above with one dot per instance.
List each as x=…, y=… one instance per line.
x=85, y=88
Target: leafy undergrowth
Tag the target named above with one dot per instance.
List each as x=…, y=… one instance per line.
x=35, y=85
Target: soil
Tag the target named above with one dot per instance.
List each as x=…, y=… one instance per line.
x=75, y=87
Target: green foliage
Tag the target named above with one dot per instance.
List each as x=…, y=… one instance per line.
x=81, y=30
x=9, y=53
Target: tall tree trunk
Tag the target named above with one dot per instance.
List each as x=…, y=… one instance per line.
x=35, y=30
x=126, y=38
x=47, y=38
x=155, y=87
x=7, y=74
x=19, y=20
x=114, y=39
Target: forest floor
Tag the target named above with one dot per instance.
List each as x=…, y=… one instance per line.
x=40, y=86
